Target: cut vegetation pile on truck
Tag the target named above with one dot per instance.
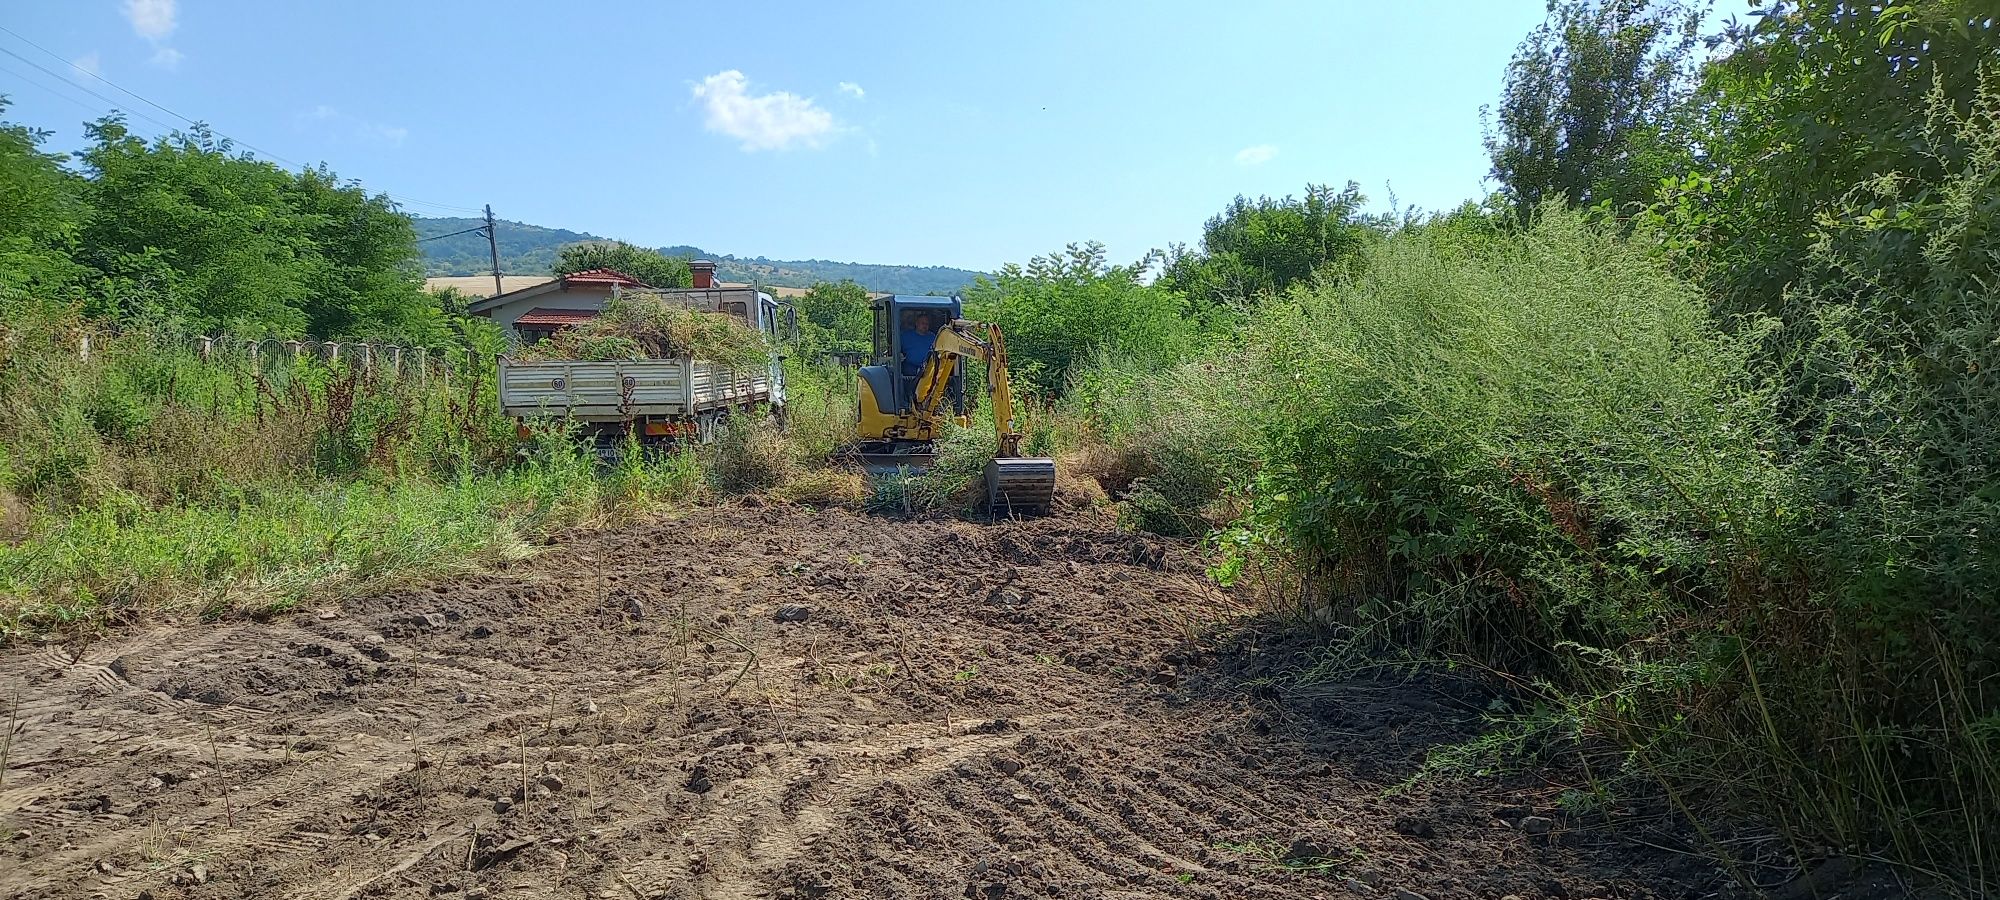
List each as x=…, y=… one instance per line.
x=652, y=368
x=652, y=326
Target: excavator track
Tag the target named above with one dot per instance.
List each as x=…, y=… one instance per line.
x=878, y=464
x=1024, y=485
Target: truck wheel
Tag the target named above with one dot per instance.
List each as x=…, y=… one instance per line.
x=708, y=426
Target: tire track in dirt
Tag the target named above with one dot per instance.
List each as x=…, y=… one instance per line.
x=901, y=755
x=1005, y=710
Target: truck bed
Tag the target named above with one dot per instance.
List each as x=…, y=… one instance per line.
x=617, y=391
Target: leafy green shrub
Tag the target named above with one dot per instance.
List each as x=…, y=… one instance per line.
x=1063, y=308
x=118, y=416
x=1184, y=435
x=957, y=474
x=187, y=228
x=644, y=477
x=1470, y=407
x=833, y=316
x=1262, y=248
x=647, y=265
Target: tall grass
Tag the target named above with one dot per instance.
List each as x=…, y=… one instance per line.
x=1538, y=453
x=262, y=555
x=1176, y=442
x=820, y=410
x=145, y=480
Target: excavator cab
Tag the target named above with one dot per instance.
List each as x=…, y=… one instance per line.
x=915, y=381
x=905, y=331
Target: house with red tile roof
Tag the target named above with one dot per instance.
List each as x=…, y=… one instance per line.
x=535, y=312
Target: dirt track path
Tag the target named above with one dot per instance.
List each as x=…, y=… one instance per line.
x=954, y=710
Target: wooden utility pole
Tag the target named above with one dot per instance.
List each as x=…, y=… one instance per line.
x=493, y=247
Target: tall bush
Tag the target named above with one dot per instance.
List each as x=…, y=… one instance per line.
x=1761, y=570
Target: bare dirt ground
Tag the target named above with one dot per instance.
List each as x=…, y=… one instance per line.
x=770, y=702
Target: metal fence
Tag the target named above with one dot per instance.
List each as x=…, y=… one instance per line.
x=259, y=354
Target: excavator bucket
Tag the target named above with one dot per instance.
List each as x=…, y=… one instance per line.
x=1023, y=486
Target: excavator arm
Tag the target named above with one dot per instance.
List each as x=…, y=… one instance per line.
x=1014, y=483
x=963, y=339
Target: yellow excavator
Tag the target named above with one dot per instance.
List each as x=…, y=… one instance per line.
x=915, y=382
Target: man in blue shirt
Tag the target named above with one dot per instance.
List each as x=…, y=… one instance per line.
x=919, y=335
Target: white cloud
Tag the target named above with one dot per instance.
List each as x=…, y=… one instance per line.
x=91, y=63
x=330, y=120
x=155, y=20
x=849, y=87
x=1255, y=156
x=152, y=19
x=774, y=121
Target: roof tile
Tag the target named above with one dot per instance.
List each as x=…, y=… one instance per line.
x=603, y=276
x=554, y=318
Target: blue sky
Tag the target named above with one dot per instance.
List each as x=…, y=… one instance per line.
x=936, y=133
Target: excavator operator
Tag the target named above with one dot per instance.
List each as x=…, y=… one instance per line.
x=918, y=337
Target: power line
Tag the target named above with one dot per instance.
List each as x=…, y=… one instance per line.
x=61, y=80
x=72, y=64
x=190, y=122
x=436, y=237
x=23, y=79
x=429, y=203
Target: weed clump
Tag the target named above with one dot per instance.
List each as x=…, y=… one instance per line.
x=953, y=480
x=824, y=487
x=1174, y=443
x=820, y=411
x=748, y=454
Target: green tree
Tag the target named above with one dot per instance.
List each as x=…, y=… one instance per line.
x=1812, y=100
x=1264, y=246
x=834, y=316
x=187, y=229
x=650, y=266
x=451, y=300
x=41, y=218
x=1064, y=308
x=1586, y=100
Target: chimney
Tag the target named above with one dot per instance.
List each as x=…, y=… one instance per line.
x=704, y=273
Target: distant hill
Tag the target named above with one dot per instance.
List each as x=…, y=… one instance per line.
x=531, y=249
